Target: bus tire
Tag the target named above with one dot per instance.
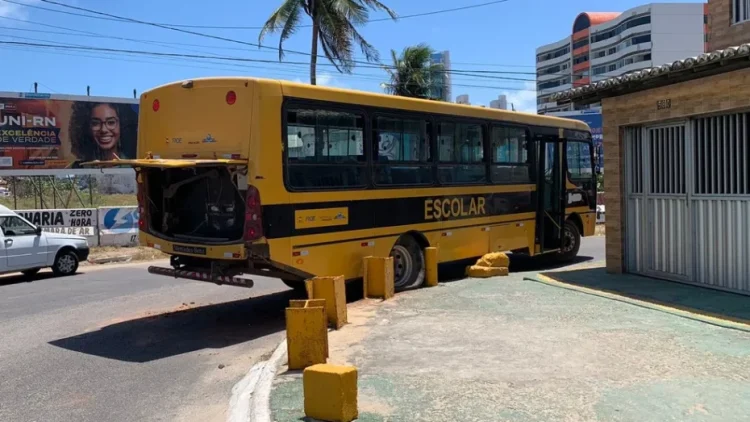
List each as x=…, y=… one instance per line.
x=408, y=264
x=571, y=242
x=296, y=285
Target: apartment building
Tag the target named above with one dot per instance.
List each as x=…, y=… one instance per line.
x=441, y=87
x=603, y=45
x=501, y=103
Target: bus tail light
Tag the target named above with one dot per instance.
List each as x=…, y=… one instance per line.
x=155, y=105
x=231, y=97
x=253, y=217
x=141, y=202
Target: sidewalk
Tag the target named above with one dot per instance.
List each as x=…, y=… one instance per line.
x=509, y=349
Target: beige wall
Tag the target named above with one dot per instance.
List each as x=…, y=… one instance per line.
x=721, y=32
x=719, y=93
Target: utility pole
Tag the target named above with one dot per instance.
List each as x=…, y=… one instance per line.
x=36, y=87
x=134, y=94
x=88, y=91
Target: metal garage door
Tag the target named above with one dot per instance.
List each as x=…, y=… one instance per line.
x=658, y=218
x=688, y=201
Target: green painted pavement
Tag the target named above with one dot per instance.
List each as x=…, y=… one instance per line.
x=505, y=349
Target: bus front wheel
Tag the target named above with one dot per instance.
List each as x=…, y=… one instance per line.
x=408, y=264
x=571, y=242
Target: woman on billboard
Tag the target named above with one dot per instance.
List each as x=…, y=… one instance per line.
x=103, y=131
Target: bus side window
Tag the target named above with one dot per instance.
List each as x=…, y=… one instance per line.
x=579, y=160
x=510, y=158
x=461, y=153
x=402, y=151
x=325, y=149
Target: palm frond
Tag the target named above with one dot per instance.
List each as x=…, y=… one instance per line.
x=279, y=20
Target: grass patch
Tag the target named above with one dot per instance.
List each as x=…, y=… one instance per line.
x=135, y=253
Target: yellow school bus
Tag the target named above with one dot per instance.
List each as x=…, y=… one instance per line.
x=241, y=176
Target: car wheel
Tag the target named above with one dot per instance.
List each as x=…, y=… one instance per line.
x=571, y=242
x=66, y=263
x=408, y=264
x=30, y=273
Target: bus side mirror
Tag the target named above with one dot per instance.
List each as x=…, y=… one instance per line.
x=38, y=230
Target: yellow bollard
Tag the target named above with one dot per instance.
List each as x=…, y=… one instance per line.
x=378, y=277
x=330, y=392
x=306, y=333
x=333, y=291
x=431, y=266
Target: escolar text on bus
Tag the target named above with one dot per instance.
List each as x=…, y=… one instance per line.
x=441, y=208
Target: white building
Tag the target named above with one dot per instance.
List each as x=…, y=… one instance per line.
x=501, y=102
x=442, y=83
x=605, y=45
x=463, y=99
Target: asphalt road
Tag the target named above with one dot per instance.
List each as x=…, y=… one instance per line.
x=118, y=344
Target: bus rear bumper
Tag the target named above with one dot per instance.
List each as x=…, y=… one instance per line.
x=202, y=276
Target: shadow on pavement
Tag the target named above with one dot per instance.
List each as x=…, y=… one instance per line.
x=173, y=333
x=696, y=299
x=17, y=278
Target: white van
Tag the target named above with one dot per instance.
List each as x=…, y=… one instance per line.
x=27, y=249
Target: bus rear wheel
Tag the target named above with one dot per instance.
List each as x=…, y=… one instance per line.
x=408, y=264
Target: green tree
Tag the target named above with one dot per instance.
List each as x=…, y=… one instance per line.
x=413, y=74
x=334, y=27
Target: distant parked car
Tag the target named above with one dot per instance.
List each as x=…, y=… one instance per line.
x=28, y=249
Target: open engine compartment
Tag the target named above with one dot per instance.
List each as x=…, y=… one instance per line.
x=198, y=204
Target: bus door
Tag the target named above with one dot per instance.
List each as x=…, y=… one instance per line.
x=550, y=193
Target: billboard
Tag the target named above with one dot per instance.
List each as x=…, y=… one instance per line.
x=79, y=222
x=45, y=132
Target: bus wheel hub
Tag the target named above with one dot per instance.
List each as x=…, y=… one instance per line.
x=402, y=264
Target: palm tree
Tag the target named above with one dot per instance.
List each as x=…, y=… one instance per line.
x=334, y=25
x=413, y=74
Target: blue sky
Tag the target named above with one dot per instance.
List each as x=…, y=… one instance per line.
x=499, y=37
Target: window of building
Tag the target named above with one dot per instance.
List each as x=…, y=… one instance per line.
x=509, y=155
x=612, y=67
x=641, y=39
x=579, y=160
x=580, y=43
x=647, y=57
x=325, y=149
x=549, y=70
x=552, y=55
x=741, y=11
x=600, y=53
x=600, y=70
x=629, y=23
x=403, y=151
x=14, y=226
x=461, y=153
x=552, y=84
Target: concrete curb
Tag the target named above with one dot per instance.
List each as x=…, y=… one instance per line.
x=655, y=306
x=111, y=259
x=251, y=397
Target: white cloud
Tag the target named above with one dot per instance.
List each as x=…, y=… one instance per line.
x=523, y=100
x=15, y=11
x=324, y=79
